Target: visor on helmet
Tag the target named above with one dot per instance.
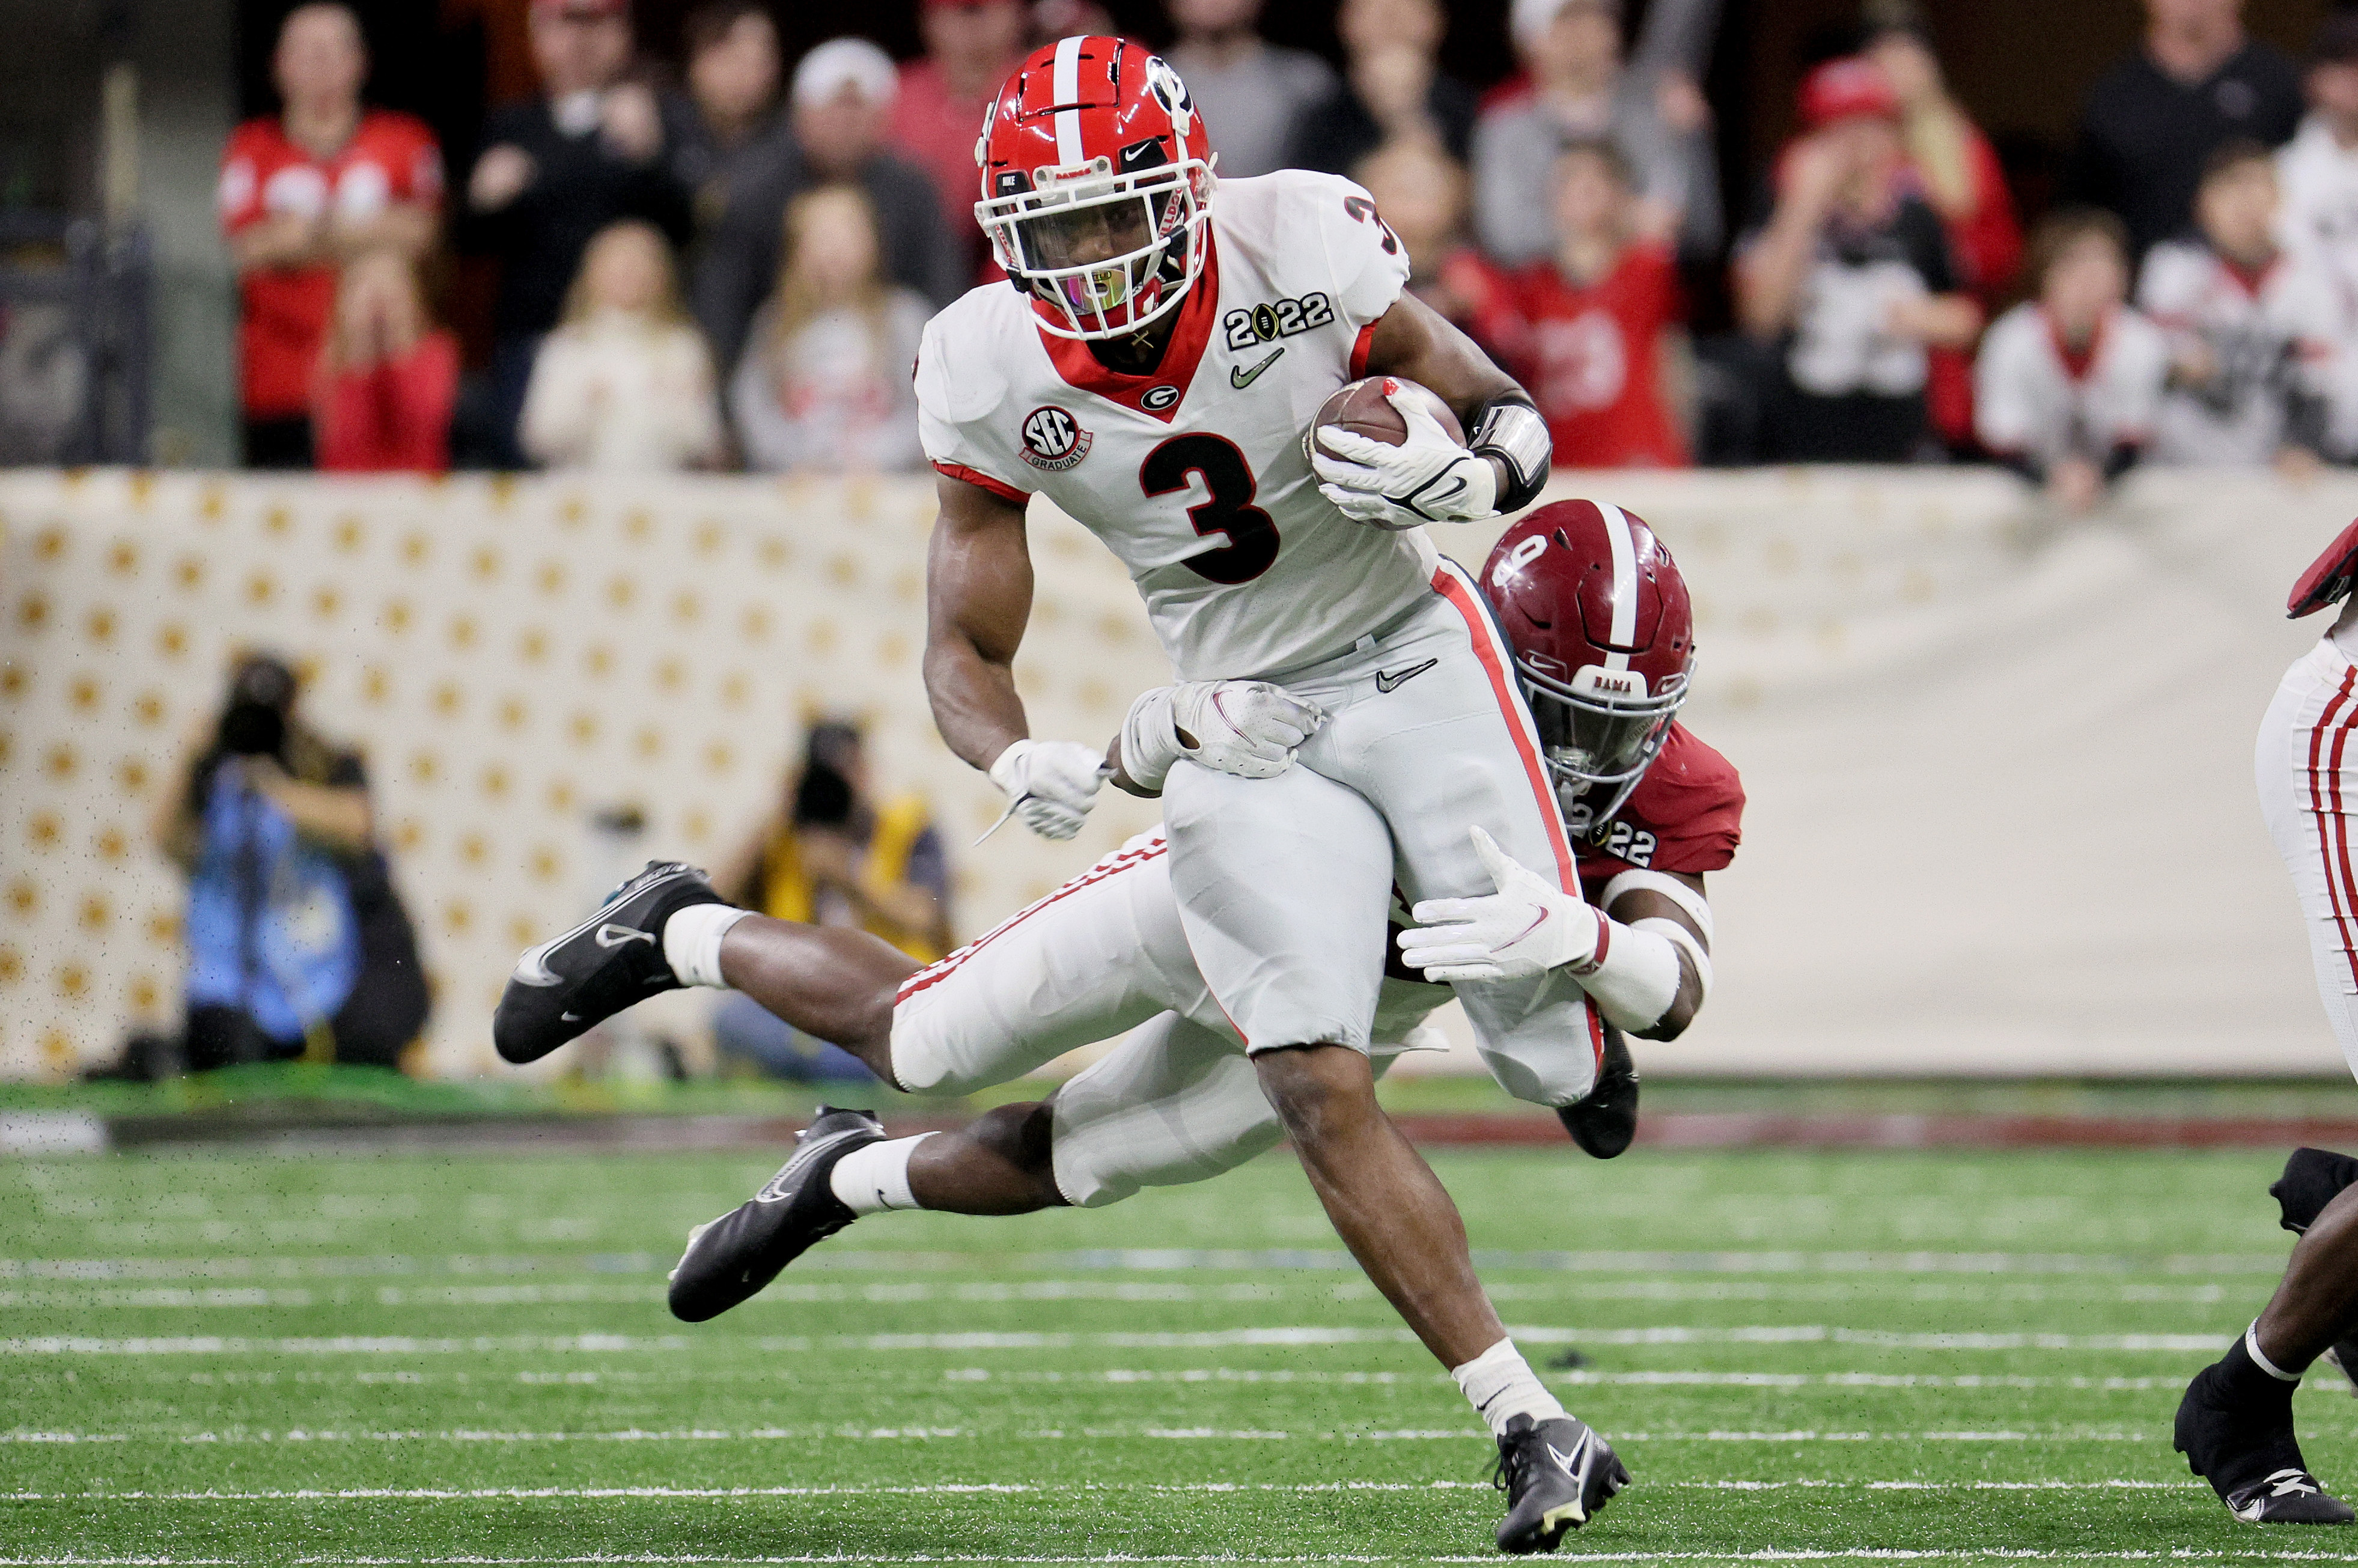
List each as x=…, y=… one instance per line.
x=1602, y=728
x=1111, y=252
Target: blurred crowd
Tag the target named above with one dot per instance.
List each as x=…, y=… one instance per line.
x=726, y=264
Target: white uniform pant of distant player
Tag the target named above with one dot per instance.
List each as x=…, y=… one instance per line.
x=1284, y=884
x=2307, y=771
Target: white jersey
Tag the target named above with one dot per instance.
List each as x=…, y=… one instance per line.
x=1195, y=476
x=2033, y=398
x=2319, y=222
x=2268, y=336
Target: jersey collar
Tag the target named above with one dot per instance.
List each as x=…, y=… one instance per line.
x=1189, y=338
x=2077, y=363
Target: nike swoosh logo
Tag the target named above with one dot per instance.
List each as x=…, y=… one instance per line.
x=774, y=1190
x=1387, y=681
x=532, y=970
x=1241, y=378
x=615, y=936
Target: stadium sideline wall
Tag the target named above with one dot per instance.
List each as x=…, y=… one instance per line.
x=2001, y=820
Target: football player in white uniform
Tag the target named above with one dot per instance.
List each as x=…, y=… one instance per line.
x=1581, y=587
x=1151, y=370
x=2235, y=1424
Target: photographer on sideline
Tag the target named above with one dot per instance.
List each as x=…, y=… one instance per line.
x=298, y=944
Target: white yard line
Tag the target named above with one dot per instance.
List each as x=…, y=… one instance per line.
x=1074, y=1434
x=1142, y=1259
x=510, y=1494
x=1197, y=1339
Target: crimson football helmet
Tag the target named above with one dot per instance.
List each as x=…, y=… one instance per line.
x=1096, y=186
x=1603, y=642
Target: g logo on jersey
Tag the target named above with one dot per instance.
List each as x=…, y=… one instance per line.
x=1158, y=398
x=1053, y=440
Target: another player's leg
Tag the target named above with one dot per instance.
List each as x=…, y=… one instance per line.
x=2235, y=1424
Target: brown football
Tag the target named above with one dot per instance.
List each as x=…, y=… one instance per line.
x=1363, y=407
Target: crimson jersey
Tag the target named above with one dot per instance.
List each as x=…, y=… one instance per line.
x=1591, y=356
x=1685, y=816
x=390, y=161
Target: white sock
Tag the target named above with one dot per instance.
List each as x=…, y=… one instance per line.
x=1501, y=1384
x=876, y=1178
x=692, y=942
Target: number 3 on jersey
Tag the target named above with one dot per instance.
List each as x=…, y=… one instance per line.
x=1229, y=509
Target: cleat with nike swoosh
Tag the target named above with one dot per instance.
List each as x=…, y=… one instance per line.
x=571, y=983
x=1556, y=1474
x=2246, y=1448
x=733, y=1257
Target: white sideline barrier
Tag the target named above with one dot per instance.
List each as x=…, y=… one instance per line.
x=2001, y=804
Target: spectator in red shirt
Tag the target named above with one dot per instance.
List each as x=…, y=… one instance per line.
x=1957, y=170
x=323, y=180
x=1421, y=192
x=388, y=379
x=1603, y=339
x=970, y=46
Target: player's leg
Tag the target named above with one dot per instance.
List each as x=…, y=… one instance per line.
x=1283, y=887
x=1095, y=958
x=2235, y=1424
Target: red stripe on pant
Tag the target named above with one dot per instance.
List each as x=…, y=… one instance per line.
x=2332, y=827
x=1447, y=584
x=941, y=970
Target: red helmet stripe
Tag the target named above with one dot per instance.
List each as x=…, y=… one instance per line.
x=1624, y=583
x=1066, y=86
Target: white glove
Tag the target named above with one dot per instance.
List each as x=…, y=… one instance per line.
x=1049, y=785
x=1428, y=477
x=1248, y=728
x=1526, y=928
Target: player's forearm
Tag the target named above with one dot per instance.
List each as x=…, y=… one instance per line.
x=975, y=703
x=408, y=229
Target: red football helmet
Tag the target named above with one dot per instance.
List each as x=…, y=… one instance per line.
x=1097, y=184
x=1604, y=641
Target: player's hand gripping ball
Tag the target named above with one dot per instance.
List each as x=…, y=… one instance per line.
x=1390, y=453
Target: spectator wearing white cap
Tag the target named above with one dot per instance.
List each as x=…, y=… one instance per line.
x=1649, y=109
x=1249, y=92
x=840, y=105
x=557, y=169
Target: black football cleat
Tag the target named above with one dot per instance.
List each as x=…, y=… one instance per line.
x=1604, y=1120
x=734, y=1257
x=569, y=984
x=1556, y=1474
x=2248, y=1453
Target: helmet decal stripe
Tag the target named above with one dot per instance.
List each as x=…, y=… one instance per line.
x=1067, y=86
x=1624, y=583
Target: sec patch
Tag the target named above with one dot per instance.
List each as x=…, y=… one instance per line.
x=1053, y=440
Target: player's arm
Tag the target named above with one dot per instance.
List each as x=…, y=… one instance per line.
x=979, y=600
x=1644, y=959
x=1429, y=478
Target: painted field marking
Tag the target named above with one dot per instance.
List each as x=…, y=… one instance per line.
x=1077, y=1434
x=512, y=1494
x=1146, y=1260
x=1196, y=1340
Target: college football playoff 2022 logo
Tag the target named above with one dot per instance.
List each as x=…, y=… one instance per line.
x=1053, y=440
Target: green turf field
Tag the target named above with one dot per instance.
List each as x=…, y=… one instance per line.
x=468, y=1361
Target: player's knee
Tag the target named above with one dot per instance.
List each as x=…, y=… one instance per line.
x=1021, y=1136
x=1317, y=1090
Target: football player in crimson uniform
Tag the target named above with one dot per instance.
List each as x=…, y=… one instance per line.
x=2234, y=1425
x=1160, y=343
x=1603, y=641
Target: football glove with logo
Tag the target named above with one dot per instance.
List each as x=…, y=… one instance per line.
x=1428, y=477
x=1526, y=928
x=1248, y=728
x=1049, y=783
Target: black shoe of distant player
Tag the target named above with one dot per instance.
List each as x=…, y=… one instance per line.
x=570, y=983
x=734, y=1257
x=1604, y=1120
x=2251, y=1458
x=1556, y=1474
